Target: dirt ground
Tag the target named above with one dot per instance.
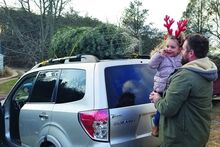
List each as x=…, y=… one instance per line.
x=214, y=138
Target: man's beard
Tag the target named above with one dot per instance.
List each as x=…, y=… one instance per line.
x=184, y=61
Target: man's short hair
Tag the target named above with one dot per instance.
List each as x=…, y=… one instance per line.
x=199, y=44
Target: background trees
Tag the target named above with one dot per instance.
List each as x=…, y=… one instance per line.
x=19, y=36
x=197, y=16
x=213, y=26
x=41, y=23
x=134, y=17
x=133, y=20
x=204, y=18
x=105, y=40
x=25, y=36
x=32, y=35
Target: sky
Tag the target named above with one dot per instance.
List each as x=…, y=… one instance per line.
x=111, y=10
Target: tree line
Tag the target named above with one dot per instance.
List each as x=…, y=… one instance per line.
x=28, y=36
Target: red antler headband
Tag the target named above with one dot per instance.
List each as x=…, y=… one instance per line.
x=180, y=24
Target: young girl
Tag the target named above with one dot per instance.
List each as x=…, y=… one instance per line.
x=166, y=60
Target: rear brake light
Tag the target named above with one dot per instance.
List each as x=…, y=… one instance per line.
x=96, y=123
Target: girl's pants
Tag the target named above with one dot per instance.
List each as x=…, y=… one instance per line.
x=156, y=119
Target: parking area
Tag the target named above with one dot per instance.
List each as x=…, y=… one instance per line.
x=214, y=139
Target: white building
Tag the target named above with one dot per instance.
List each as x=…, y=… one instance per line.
x=1, y=63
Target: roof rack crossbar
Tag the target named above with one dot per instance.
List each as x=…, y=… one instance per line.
x=64, y=60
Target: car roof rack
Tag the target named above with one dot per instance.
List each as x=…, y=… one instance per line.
x=64, y=60
x=143, y=56
x=132, y=56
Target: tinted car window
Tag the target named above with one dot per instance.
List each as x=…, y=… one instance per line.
x=22, y=93
x=44, y=86
x=128, y=85
x=71, y=85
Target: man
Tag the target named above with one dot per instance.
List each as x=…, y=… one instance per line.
x=187, y=102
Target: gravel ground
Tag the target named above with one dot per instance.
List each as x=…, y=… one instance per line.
x=214, y=138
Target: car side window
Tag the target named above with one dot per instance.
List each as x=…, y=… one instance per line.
x=72, y=84
x=24, y=89
x=43, y=89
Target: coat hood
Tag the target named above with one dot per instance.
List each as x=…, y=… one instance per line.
x=203, y=66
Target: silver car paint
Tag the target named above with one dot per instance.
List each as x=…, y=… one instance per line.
x=129, y=126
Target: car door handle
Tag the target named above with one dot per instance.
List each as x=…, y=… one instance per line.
x=43, y=116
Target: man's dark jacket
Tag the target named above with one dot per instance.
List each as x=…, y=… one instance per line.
x=187, y=104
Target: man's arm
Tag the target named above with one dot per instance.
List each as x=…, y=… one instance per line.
x=176, y=94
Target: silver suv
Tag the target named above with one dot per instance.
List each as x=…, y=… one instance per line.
x=81, y=101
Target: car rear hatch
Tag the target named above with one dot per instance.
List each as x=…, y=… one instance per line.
x=130, y=110
x=131, y=126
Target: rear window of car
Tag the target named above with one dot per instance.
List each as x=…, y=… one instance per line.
x=128, y=85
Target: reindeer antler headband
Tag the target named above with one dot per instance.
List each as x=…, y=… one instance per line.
x=180, y=24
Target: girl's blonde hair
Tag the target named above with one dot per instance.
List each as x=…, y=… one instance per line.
x=179, y=40
x=158, y=47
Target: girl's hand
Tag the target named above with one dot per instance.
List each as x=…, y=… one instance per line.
x=163, y=52
x=154, y=96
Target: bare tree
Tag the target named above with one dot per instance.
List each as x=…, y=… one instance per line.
x=214, y=18
x=48, y=11
x=204, y=18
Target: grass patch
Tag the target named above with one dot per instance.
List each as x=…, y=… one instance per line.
x=6, y=87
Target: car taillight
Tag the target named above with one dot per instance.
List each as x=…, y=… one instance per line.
x=96, y=123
